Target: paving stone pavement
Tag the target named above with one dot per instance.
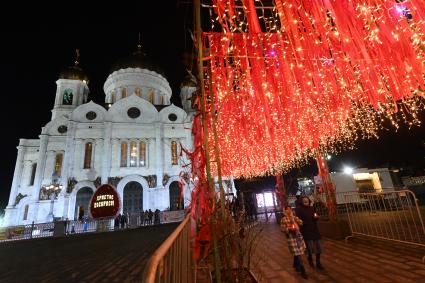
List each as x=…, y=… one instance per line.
x=104, y=257
x=358, y=260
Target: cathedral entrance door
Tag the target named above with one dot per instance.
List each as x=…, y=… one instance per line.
x=176, y=199
x=133, y=202
x=82, y=203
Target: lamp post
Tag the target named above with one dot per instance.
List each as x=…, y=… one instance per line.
x=54, y=188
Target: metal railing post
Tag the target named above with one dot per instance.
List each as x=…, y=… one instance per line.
x=32, y=228
x=397, y=218
x=171, y=262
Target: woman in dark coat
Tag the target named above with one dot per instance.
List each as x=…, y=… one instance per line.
x=310, y=231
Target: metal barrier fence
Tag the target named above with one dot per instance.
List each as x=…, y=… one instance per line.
x=42, y=230
x=172, y=261
x=28, y=231
x=391, y=215
x=49, y=229
x=78, y=227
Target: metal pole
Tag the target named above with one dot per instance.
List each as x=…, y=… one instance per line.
x=328, y=186
x=197, y=6
x=32, y=228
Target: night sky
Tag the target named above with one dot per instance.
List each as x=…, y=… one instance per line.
x=38, y=42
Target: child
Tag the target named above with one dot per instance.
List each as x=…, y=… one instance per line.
x=310, y=231
x=290, y=226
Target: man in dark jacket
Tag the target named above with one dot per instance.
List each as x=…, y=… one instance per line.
x=310, y=230
x=150, y=215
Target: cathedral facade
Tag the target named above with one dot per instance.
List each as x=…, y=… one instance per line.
x=132, y=142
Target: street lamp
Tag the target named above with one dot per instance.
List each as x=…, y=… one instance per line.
x=54, y=189
x=348, y=170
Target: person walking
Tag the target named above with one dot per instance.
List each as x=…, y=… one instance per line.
x=146, y=216
x=156, y=216
x=142, y=218
x=290, y=226
x=310, y=231
x=117, y=222
x=150, y=214
x=122, y=221
x=298, y=201
x=126, y=220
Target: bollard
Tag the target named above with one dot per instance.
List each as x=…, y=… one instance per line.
x=32, y=229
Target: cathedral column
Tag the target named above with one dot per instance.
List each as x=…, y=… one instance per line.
x=39, y=174
x=40, y=166
x=67, y=165
x=115, y=154
x=17, y=175
x=159, y=154
x=79, y=154
x=49, y=166
x=149, y=144
x=107, y=153
x=189, y=136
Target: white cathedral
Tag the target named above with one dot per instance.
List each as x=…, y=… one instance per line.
x=132, y=143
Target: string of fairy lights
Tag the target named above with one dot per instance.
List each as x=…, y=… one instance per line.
x=296, y=78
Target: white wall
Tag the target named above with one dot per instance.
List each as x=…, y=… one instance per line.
x=343, y=182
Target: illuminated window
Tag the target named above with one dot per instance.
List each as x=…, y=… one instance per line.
x=142, y=154
x=26, y=212
x=162, y=100
x=138, y=92
x=150, y=97
x=88, y=155
x=133, y=154
x=123, y=154
x=67, y=97
x=33, y=170
x=174, y=160
x=113, y=97
x=58, y=164
x=123, y=93
x=265, y=200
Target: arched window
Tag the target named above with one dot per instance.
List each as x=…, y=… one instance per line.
x=33, y=170
x=150, y=96
x=133, y=154
x=174, y=160
x=88, y=155
x=138, y=92
x=26, y=208
x=176, y=196
x=58, y=164
x=123, y=162
x=123, y=93
x=142, y=154
x=67, y=97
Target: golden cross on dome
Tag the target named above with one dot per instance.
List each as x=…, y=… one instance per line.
x=139, y=45
x=77, y=57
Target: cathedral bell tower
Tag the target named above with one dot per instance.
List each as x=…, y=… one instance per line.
x=188, y=93
x=72, y=89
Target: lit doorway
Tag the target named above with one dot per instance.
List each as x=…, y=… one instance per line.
x=82, y=203
x=176, y=199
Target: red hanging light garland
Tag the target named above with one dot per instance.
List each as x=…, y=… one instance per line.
x=310, y=76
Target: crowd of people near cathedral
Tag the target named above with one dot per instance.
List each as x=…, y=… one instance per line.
x=145, y=218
